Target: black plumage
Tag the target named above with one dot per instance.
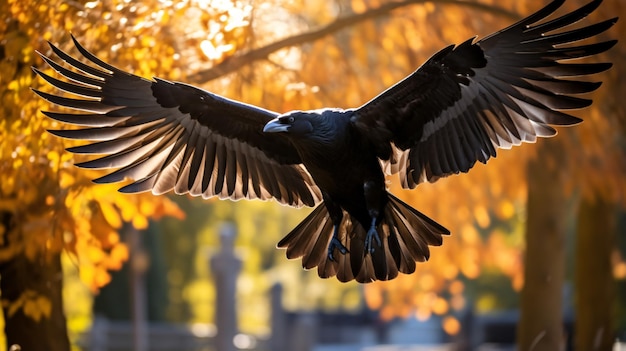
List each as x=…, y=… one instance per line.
x=457, y=108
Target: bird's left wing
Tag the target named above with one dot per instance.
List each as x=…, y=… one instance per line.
x=468, y=100
x=172, y=136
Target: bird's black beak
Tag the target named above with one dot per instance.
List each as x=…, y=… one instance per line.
x=275, y=126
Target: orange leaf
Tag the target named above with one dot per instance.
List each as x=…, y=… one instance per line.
x=111, y=215
x=451, y=325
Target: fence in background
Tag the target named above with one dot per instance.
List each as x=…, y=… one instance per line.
x=293, y=332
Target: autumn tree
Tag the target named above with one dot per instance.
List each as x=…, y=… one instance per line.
x=598, y=261
x=47, y=206
x=593, y=177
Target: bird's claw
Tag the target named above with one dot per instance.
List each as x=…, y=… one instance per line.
x=372, y=233
x=336, y=244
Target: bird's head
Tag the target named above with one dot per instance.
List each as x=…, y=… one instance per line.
x=294, y=123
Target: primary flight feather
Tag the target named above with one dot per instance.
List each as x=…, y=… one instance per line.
x=457, y=108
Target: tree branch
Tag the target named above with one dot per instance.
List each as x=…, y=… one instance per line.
x=236, y=62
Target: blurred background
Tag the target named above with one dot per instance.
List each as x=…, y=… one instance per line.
x=83, y=267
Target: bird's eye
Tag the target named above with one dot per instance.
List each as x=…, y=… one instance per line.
x=291, y=119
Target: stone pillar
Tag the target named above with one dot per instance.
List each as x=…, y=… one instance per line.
x=139, y=262
x=225, y=267
x=304, y=332
x=279, y=322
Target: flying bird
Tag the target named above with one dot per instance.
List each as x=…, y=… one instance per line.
x=459, y=107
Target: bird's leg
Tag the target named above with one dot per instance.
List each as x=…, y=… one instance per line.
x=372, y=234
x=335, y=243
x=373, y=201
x=336, y=215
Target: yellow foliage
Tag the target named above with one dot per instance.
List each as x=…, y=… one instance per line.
x=486, y=302
x=94, y=277
x=451, y=325
x=505, y=209
x=619, y=270
x=440, y=306
x=482, y=216
x=53, y=205
x=37, y=308
x=456, y=288
x=619, y=265
x=373, y=297
x=32, y=304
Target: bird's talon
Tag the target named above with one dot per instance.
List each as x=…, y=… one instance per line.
x=372, y=234
x=336, y=244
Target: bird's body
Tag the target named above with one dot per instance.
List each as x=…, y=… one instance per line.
x=318, y=151
x=461, y=105
x=341, y=162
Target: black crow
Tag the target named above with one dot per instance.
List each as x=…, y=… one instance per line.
x=457, y=108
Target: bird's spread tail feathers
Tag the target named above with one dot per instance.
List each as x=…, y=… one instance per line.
x=405, y=236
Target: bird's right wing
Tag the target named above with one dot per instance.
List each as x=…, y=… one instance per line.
x=468, y=100
x=172, y=136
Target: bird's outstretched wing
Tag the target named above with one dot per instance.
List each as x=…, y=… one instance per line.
x=172, y=136
x=470, y=99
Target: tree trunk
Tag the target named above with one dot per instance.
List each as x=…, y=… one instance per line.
x=44, y=277
x=541, y=326
x=595, y=286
